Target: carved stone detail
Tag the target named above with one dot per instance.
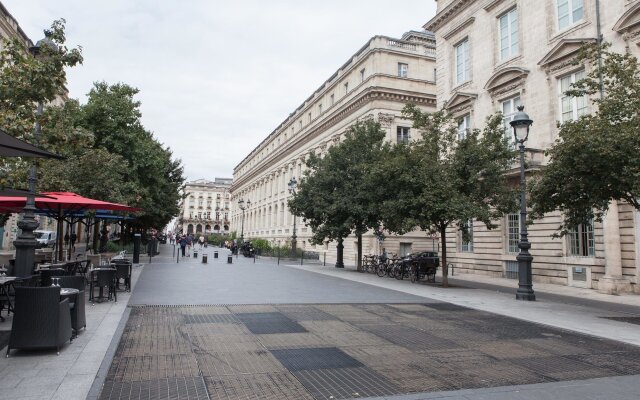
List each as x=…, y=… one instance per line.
x=386, y=119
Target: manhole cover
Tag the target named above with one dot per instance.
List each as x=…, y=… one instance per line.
x=269, y=322
x=318, y=358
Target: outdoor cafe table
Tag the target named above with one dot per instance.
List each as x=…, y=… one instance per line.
x=4, y=294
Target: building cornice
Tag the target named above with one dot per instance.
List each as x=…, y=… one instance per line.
x=458, y=28
x=447, y=14
x=352, y=64
x=369, y=95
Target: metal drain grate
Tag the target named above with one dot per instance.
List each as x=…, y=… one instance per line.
x=631, y=320
x=410, y=338
x=318, y=358
x=346, y=383
x=447, y=307
x=269, y=322
x=210, y=319
x=192, y=388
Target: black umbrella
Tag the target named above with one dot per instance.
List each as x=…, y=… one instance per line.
x=13, y=147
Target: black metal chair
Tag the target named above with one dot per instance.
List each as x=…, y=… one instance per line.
x=104, y=278
x=78, y=314
x=47, y=274
x=40, y=319
x=83, y=269
x=123, y=271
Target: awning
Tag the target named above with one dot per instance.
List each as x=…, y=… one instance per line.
x=14, y=147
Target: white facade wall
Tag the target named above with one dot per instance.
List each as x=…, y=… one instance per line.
x=367, y=86
x=543, y=57
x=206, y=207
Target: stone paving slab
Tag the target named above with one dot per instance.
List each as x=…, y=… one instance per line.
x=45, y=375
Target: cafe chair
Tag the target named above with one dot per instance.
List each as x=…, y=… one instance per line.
x=78, y=315
x=104, y=278
x=40, y=319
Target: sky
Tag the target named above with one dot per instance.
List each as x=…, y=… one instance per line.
x=216, y=77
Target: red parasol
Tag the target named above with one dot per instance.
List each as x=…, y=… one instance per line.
x=67, y=201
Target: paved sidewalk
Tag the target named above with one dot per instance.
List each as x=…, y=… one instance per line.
x=45, y=375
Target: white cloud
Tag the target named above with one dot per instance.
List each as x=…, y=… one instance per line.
x=216, y=77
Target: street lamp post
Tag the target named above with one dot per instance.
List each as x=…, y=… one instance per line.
x=243, y=207
x=521, y=124
x=293, y=186
x=26, y=243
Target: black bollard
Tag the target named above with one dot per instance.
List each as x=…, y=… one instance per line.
x=195, y=253
x=204, y=258
x=136, y=248
x=229, y=259
x=215, y=254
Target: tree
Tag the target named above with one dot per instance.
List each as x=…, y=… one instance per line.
x=337, y=195
x=151, y=176
x=26, y=81
x=442, y=180
x=596, y=158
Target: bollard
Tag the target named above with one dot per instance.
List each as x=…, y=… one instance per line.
x=195, y=254
x=229, y=259
x=215, y=254
x=204, y=258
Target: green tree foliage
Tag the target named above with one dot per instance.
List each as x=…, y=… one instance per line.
x=441, y=181
x=597, y=157
x=26, y=80
x=337, y=195
x=152, y=176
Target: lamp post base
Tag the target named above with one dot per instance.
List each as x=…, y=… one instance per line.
x=526, y=295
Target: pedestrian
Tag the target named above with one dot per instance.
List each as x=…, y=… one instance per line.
x=183, y=244
x=383, y=257
x=201, y=240
x=189, y=244
x=66, y=239
x=73, y=238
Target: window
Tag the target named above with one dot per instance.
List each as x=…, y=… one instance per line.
x=362, y=71
x=571, y=107
x=509, y=109
x=513, y=233
x=462, y=62
x=346, y=87
x=300, y=125
x=569, y=12
x=319, y=108
x=403, y=134
x=403, y=69
x=466, y=242
x=509, y=34
x=581, y=242
x=331, y=99
x=309, y=117
x=464, y=124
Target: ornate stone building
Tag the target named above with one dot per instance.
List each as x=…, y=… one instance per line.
x=376, y=82
x=205, y=208
x=493, y=55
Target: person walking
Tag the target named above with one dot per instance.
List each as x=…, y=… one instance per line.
x=183, y=244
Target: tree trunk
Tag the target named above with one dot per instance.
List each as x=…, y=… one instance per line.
x=443, y=258
x=359, y=260
x=339, y=254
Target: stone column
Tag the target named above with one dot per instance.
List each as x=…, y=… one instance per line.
x=612, y=282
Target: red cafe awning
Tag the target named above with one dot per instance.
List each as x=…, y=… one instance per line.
x=67, y=201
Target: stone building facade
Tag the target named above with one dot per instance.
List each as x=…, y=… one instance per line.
x=206, y=207
x=493, y=55
x=376, y=82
